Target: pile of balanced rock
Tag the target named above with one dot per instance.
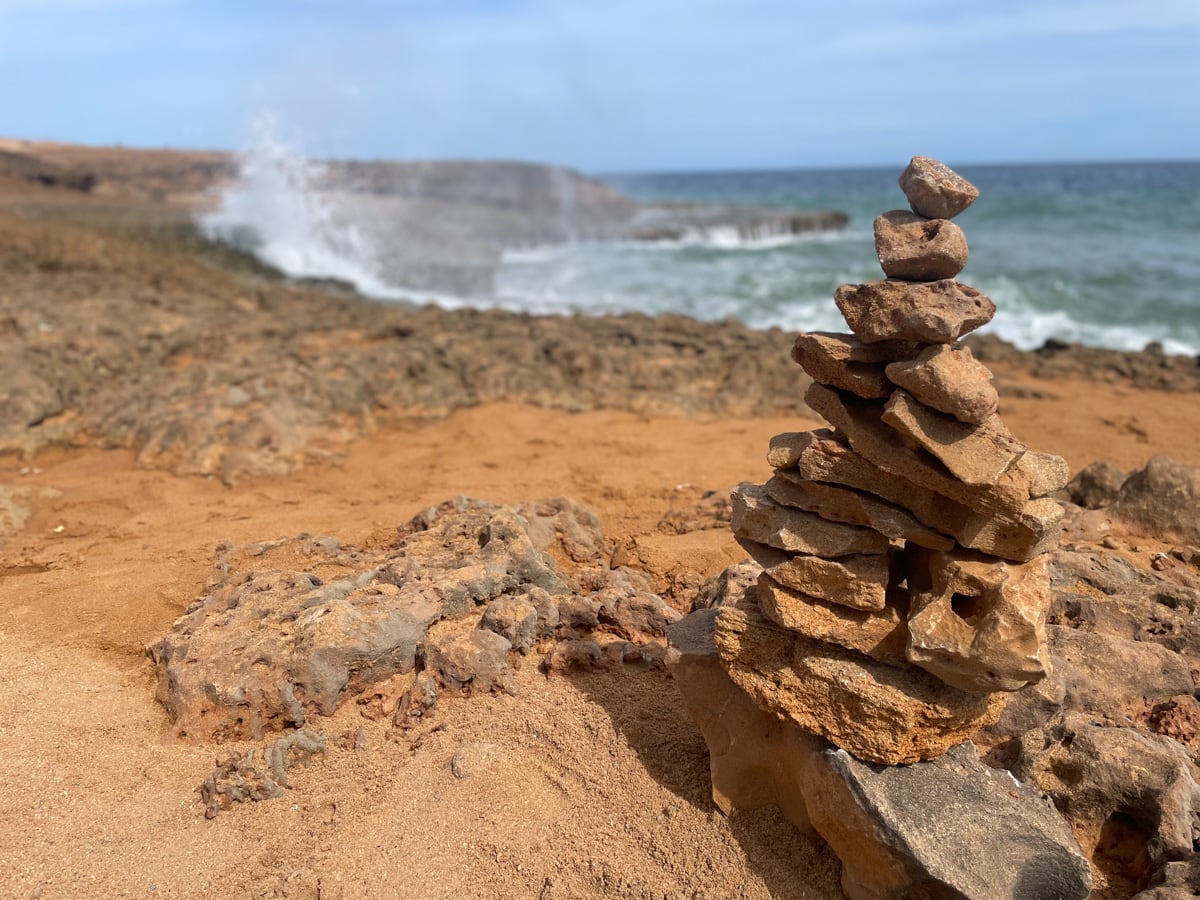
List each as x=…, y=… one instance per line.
x=906, y=549
x=905, y=579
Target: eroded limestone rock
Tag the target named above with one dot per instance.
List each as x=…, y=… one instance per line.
x=935, y=190
x=879, y=713
x=829, y=360
x=859, y=581
x=933, y=312
x=976, y=622
x=917, y=248
x=758, y=518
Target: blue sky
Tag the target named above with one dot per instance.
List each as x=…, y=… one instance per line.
x=616, y=85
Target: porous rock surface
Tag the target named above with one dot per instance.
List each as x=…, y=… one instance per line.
x=292, y=628
x=937, y=312
x=917, y=248
x=950, y=380
x=935, y=190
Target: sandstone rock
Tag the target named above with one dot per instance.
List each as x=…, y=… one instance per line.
x=727, y=586
x=840, y=504
x=949, y=380
x=710, y=511
x=1104, y=674
x=859, y=581
x=919, y=249
x=758, y=518
x=1096, y=485
x=997, y=519
x=827, y=359
x=974, y=454
x=935, y=312
x=935, y=190
x=950, y=827
x=1162, y=500
x=576, y=655
x=477, y=661
x=1118, y=780
x=1045, y=473
x=977, y=622
x=880, y=634
x=877, y=712
x=513, y=618
x=841, y=347
x=755, y=757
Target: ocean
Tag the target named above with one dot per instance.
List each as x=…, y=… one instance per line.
x=1107, y=254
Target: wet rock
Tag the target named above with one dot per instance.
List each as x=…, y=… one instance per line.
x=838, y=504
x=1121, y=784
x=859, y=581
x=877, y=712
x=1104, y=674
x=935, y=190
x=474, y=759
x=935, y=312
x=513, y=618
x=1162, y=500
x=756, y=759
x=950, y=827
x=976, y=622
x=974, y=454
x=756, y=517
x=828, y=359
x=1097, y=485
x=880, y=634
x=475, y=661
x=728, y=586
x=917, y=248
x=949, y=380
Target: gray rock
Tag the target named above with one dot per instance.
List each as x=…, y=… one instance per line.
x=1096, y=485
x=1103, y=674
x=513, y=618
x=1118, y=779
x=1174, y=881
x=950, y=827
x=1162, y=500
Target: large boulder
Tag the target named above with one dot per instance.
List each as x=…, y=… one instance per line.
x=1162, y=500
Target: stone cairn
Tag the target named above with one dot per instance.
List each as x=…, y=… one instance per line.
x=904, y=593
x=905, y=583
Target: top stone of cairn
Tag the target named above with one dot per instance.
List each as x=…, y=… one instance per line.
x=934, y=190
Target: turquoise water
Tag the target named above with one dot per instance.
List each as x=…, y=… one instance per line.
x=1106, y=254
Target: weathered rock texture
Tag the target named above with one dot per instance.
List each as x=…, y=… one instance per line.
x=935, y=190
x=293, y=628
x=935, y=313
x=919, y=249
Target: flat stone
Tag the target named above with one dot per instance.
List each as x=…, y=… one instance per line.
x=935, y=190
x=848, y=348
x=1045, y=472
x=976, y=622
x=859, y=581
x=975, y=454
x=950, y=380
x=880, y=634
x=999, y=519
x=1106, y=674
x=933, y=312
x=919, y=249
x=950, y=827
x=877, y=712
x=827, y=359
x=757, y=517
x=841, y=504
x=755, y=758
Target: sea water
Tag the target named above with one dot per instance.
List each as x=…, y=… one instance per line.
x=1106, y=254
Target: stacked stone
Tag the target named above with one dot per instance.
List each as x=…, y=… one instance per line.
x=905, y=582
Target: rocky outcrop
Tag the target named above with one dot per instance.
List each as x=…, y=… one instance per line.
x=465, y=587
